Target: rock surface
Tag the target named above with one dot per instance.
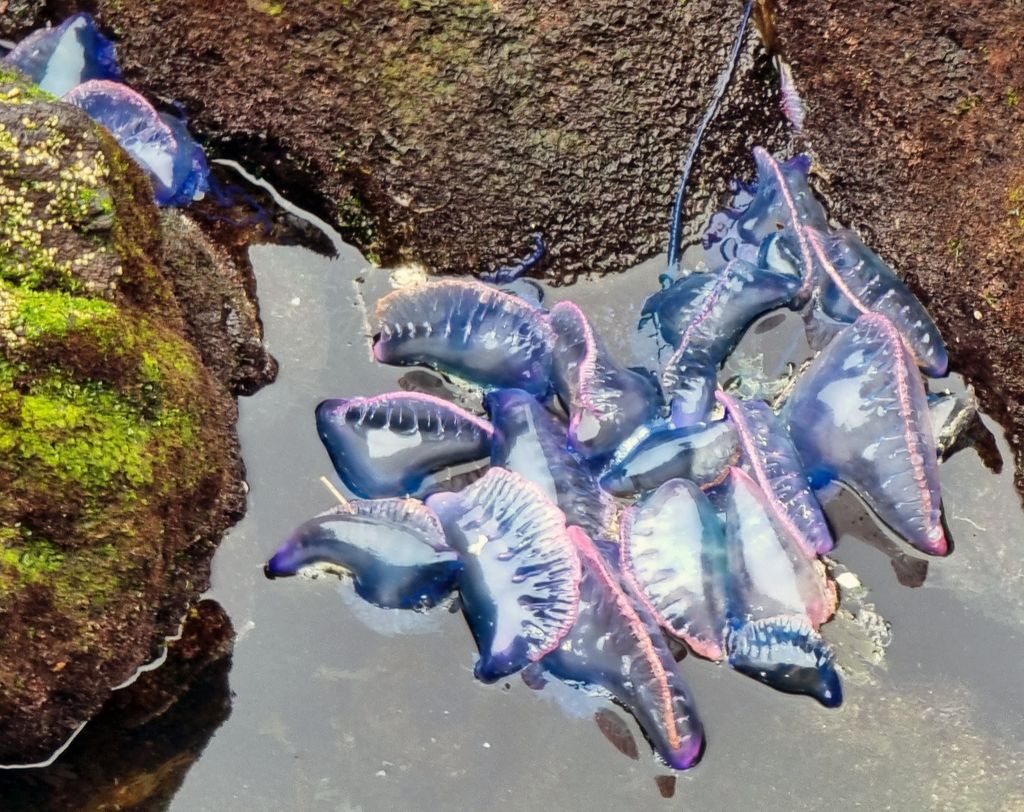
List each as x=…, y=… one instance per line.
x=150, y=733
x=218, y=300
x=18, y=16
x=120, y=467
x=448, y=131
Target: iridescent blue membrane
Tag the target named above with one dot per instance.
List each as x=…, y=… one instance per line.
x=860, y=415
x=521, y=578
x=57, y=59
x=851, y=280
x=393, y=549
x=674, y=545
x=532, y=442
x=701, y=453
x=159, y=143
x=606, y=401
x=616, y=646
x=388, y=445
x=704, y=316
x=772, y=459
x=468, y=329
x=769, y=573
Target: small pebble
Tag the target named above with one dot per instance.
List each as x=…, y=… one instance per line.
x=848, y=580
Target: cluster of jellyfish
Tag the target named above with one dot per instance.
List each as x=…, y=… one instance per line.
x=612, y=509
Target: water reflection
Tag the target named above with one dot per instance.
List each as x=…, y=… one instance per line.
x=135, y=753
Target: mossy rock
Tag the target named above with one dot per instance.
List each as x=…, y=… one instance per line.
x=120, y=468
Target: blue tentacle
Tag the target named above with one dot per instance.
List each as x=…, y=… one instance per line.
x=674, y=252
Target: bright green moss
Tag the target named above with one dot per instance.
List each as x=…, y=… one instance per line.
x=32, y=314
x=22, y=91
x=90, y=437
x=84, y=434
x=80, y=584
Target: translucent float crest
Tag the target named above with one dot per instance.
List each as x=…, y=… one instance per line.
x=469, y=329
x=388, y=445
x=521, y=578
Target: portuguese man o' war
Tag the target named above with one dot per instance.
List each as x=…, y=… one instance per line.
x=615, y=645
x=606, y=401
x=780, y=200
x=393, y=549
x=676, y=224
x=159, y=143
x=77, y=63
x=610, y=523
x=468, y=329
x=769, y=573
x=520, y=584
x=860, y=415
x=674, y=545
x=390, y=444
x=793, y=107
x=57, y=59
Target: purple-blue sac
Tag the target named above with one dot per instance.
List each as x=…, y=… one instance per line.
x=615, y=646
x=393, y=549
x=391, y=444
x=860, y=415
x=768, y=572
x=793, y=107
x=173, y=162
x=606, y=401
x=852, y=280
x=780, y=198
x=773, y=462
x=57, y=59
x=520, y=585
x=701, y=453
x=776, y=599
x=468, y=329
x=673, y=543
x=704, y=316
x=532, y=442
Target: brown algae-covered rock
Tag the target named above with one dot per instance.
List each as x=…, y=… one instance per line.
x=118, y=464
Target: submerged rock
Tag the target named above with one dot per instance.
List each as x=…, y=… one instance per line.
x=120, y=467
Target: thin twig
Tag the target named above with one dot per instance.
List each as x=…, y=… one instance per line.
x=336, y=493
